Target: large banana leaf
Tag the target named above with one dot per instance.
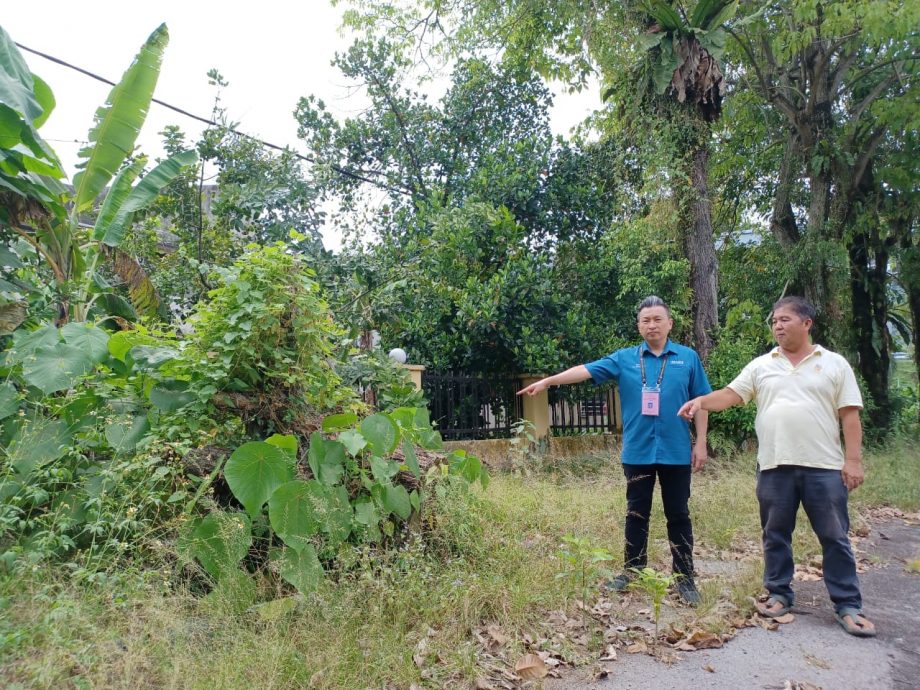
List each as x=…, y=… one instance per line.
x=45, y=97
x=112, y=231
x=141, y=290
x=119, y=121
x=115, y=198
x=17, y=89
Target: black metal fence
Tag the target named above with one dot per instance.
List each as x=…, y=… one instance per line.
x=583, y=409
x=472, y=407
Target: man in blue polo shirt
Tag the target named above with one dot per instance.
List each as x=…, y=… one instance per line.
x=655, y=379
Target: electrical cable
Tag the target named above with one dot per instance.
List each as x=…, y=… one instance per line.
x=309, y=159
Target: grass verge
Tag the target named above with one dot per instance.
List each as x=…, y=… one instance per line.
x=406, y=618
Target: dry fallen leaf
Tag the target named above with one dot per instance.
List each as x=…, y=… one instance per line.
x=704, y=640
x=421, y=650
x=611, y=654
x=709, y=668
x=531, y=667
x=497, y=635
x=765, y=623
x=637, y=648
x=785, y=618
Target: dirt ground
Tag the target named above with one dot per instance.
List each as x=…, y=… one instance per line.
x=812, y=651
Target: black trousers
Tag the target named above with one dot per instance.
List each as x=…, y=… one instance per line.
x=675, y=494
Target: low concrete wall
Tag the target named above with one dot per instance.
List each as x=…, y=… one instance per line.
x=496, y=453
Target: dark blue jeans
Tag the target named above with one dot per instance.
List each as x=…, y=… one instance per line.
x=823, y=495
x=675, y=494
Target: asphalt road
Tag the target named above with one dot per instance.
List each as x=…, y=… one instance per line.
x=813, y=649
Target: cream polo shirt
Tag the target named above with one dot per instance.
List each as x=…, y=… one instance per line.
x=797, y=407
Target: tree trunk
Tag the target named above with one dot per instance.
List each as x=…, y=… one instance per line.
x=868, y=280
x=909, y=270
x=701, y=253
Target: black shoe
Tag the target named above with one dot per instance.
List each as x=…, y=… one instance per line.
x=619, y=583
x=686, y=589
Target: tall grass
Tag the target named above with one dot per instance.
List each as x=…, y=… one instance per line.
x=401, y=618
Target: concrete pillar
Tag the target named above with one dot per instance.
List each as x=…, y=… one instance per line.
x=415, y=373
x=536, y=407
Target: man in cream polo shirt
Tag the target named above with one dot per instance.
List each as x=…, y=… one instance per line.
x=804, y=393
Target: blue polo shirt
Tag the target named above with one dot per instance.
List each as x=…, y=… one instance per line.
x=663, y=439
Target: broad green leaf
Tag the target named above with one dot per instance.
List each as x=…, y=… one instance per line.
x=383, y=470
x=119, y=121
x=116, y=305
x=9, y=259
x=17, y=88
x=25, y=343
x=142, y=195
x=411, y=459
x=170, y=396
x=298, y=510
x=367, y=519
x=45, y=97
x=124, y=435
x=301, y=569
x=338, y=522
x=37, y=443
x=469, y=468
x=115, y=197
x=366, y=511
x=339, y=422
x=647, y=41
x=219, y=541
x=381, y=433
x=663, y=70
x=150, y=357
x=286, y=442
x=89, y=338
x=396, y=500
x=53, y=369
x=254, y=471
x=9, y=400
x=722, y=17
x=294, y=509
x=430, y=440
x=353, y=441
x=120, y=343
x=326, y=458
x=404, y=417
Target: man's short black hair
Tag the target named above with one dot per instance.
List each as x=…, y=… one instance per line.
x=801, y=306
x=653, y=301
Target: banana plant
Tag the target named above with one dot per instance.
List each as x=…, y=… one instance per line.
x=74, y=252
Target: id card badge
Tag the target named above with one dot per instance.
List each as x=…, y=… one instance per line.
x=650, y=402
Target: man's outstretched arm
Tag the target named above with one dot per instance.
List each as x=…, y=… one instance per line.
x=716, y=401
x=576, y=374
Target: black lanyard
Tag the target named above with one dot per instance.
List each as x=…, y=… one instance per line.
x=664, y=365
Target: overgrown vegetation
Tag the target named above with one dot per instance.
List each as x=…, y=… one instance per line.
x=210, y=476
x=402, y=616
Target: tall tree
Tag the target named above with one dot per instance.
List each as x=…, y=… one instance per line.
x=677, y=56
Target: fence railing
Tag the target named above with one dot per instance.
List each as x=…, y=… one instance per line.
x=466, y=407
x=583, y=409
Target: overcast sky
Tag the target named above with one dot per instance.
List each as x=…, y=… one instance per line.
x=272, y=52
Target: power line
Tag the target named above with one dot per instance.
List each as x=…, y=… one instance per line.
x=361, y=177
